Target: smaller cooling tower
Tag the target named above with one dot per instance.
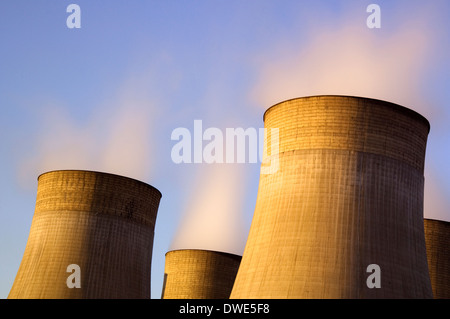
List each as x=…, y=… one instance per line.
x=437, y=238
x=91, y=237
x=199, y=274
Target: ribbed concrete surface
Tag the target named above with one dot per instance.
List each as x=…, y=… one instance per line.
x=102, y=222
x=348, y=193
x=199, y=274
x=437, y=237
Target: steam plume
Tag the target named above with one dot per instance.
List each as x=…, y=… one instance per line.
x=115, y=138
x=213, y=218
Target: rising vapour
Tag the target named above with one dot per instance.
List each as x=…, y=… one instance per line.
x=213, y=219
x=116, y=138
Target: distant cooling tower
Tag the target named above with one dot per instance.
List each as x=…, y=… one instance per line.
x=101, y=223
x=199, y=274
x=437, y=238
x=348, y=193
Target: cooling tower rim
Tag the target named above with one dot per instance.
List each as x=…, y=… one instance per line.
x=103, y=173
x=437, y=220
x=204, y=250
x=382, y=102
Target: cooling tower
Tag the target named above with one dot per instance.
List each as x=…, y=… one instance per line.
x=101, y=223
x=199, y=274
x=437, y=238
x=342, y=216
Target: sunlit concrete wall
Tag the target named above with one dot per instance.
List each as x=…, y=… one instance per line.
x=199, y=274
x=348, y=193
x=103, y=223
x=437, y=238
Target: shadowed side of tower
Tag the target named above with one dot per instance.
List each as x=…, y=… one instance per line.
x=199, y=274
x=437, y=238
x=348, y=193
x=101, y=222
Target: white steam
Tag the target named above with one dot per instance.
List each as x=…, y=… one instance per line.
x=115, y=138
x=213, y=218
x=350, y=60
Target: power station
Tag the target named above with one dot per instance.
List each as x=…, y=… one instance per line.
x=348, y=194
x=101, y=223
x=199, y=274
x=343, y=206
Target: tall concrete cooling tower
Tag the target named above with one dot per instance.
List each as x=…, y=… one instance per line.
x=199, y=274
x=91, y=237
x=347, y=197
x=437, y=238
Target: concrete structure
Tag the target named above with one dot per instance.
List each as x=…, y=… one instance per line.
x=348, y=194
x=103, y=223
x=199, y=274
x=437, y=238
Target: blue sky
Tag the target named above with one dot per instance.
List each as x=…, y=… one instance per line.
x=108, y=95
